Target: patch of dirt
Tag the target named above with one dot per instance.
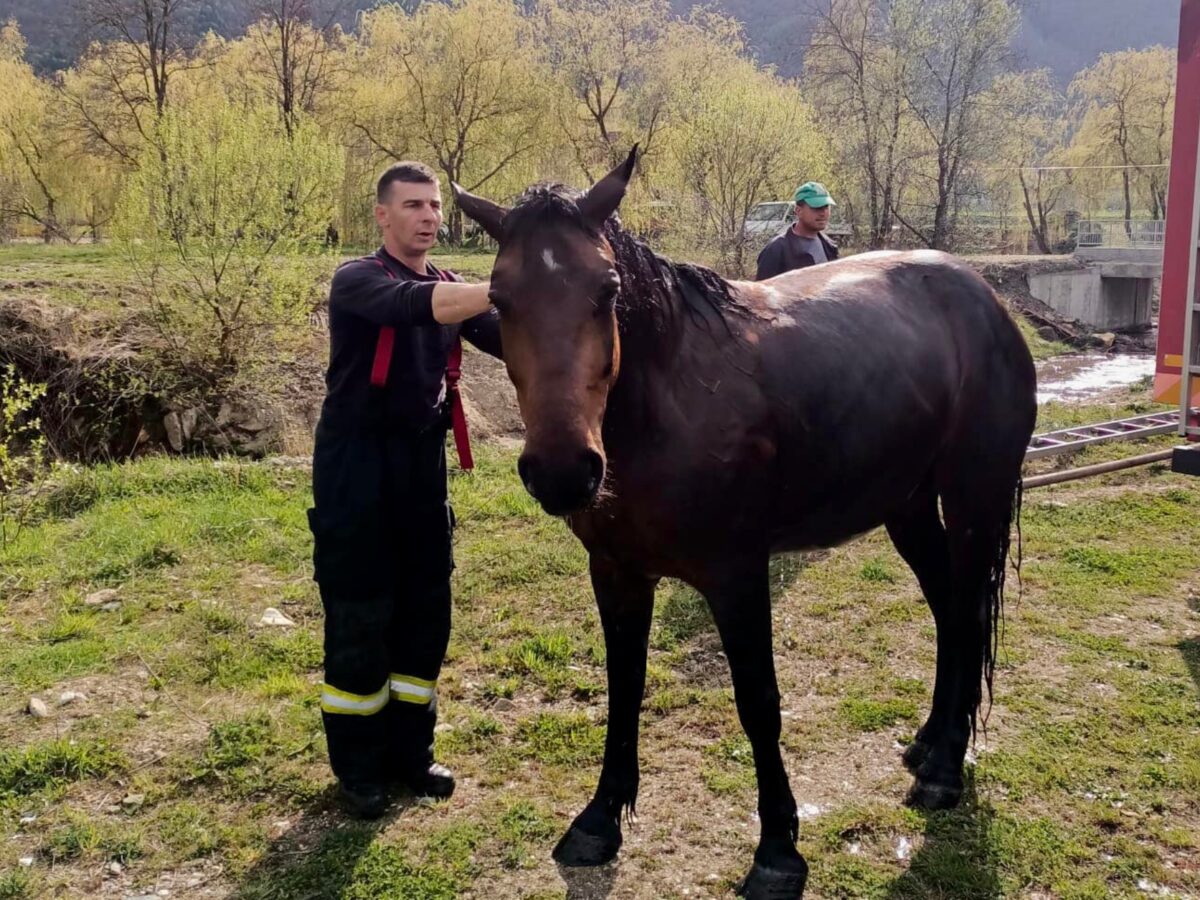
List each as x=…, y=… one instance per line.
x=704, y=665
x=88, y=360
x=29, y=284
x=489, y=398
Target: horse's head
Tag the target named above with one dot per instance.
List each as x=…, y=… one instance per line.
x=555, y=284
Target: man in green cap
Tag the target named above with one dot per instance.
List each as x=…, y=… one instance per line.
x=802, y=244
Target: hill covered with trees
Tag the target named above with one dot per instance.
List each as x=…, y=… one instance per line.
x=1061, y=35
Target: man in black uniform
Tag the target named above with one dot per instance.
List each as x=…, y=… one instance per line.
x=803, y=244
x=381, y=521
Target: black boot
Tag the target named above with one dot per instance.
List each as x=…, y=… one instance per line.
x=412, y=742
x=433, y=781
x=363, y=800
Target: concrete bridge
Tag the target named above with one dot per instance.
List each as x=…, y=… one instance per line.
x=1111, y=285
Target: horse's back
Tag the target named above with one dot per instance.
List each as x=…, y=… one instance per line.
x=883, y=312
x=874, y=368
x=880, y=277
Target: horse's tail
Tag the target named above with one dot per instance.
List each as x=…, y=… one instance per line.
x=993, y=606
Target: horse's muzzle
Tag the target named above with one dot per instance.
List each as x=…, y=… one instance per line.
x=562, y=486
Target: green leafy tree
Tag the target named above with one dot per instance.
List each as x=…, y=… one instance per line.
x=743, y=139
x=456, y=85
x=1126, y=104
x=1031, y=127
x=33, y=166
x=217, y=228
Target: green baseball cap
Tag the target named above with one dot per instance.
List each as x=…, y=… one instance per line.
x=813, y=193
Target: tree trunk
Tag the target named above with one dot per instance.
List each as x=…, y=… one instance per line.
x=1037, y=225
x=1128, y=204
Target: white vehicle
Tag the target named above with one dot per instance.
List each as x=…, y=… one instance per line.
x=769, y=219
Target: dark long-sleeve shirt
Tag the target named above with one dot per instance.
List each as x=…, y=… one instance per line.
x=787, y=251
x=376, y=291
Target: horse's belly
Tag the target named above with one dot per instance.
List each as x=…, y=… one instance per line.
x=829, y=491
x=810, y=525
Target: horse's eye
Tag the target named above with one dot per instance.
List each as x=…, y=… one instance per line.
x=607, y=295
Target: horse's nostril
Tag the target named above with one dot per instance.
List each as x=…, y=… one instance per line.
x=525, y=471
x=595, y=466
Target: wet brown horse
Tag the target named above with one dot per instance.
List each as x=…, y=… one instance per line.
x=690, y=427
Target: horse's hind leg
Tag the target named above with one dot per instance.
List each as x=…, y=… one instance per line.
x=626, y=602
x=740, y=600
x=978, y=517
x=918, y=535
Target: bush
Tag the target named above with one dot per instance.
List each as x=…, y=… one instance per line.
x=223, y=229
x=22, y=451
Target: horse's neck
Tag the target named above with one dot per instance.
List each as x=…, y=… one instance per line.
x=657, y=326
x=646, y=330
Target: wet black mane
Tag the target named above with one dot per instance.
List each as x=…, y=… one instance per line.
x=650, y=284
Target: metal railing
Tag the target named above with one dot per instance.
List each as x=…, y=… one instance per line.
x=1121, y=233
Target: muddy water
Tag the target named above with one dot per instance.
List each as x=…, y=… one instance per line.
x=1079, y=377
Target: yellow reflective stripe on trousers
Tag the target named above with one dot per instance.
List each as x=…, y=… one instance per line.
x=334, y=700
x=411, y=689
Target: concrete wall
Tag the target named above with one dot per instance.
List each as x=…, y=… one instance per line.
x=1074, y=294
x=1106, y=302
x=1124, y=302
x=1137, y=256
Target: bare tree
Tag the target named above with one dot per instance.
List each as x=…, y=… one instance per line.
x=150, y=27
x=903, y=83
x=120, y=89
x=958, y=50
x=603, y=50
x=858, y=60
x=298, y=39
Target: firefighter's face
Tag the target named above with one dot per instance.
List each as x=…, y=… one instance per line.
x=411, y=215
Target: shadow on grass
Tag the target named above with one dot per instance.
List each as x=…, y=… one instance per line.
x=683, y=612
x=592, y=883
x=958, y=858
x=1189, y=648
x=327, y=855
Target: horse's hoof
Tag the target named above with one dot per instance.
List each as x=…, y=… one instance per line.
x=767, y=883
x=930, y=795
x=579, y=848
x=915, y=754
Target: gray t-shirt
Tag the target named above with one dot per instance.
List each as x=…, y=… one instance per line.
x=810, y=245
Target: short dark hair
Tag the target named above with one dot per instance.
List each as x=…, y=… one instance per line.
x=408, y=171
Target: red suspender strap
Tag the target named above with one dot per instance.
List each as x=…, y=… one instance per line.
x=383, y=356
x=458, y=416
x=384, y=346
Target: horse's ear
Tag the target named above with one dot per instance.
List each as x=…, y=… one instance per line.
x=489, y=215
x=603, y=198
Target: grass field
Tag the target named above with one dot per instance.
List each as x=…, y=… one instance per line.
x=191, y=760
x=195, y=762
x=98, y=277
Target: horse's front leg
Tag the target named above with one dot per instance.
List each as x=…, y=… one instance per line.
x=626, y=602
x=740, y=599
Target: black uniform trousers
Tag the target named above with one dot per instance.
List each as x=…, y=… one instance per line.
x=382, y=528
